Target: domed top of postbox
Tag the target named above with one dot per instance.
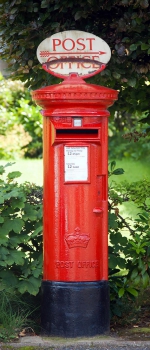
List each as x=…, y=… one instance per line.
x=74, y=93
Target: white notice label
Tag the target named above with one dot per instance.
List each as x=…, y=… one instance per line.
x=76, y=163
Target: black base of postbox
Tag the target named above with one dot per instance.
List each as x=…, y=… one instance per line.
x=75, y=309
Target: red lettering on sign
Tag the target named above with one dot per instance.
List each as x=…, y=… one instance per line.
x=64, y=44
x=96, y=58
x=53, y=66
x=86, y=65
x=81, y=44
x=56, y=42
x=90, y=42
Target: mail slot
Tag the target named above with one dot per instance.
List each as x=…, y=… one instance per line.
x=77, y=133
x=70, y=134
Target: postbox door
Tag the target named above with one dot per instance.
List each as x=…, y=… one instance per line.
x=76, y=225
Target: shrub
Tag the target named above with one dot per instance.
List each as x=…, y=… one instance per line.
x=16, y=111
x=129, y=248
x=21, y=234
x=129, y=137
x=31, y=119
x=21, y=238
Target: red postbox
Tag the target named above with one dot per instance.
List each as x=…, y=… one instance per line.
x=75, y=275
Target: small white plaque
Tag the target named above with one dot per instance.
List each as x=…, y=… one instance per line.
x=77, y=122
x=76, y=163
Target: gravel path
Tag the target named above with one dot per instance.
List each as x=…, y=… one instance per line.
x=95, y=343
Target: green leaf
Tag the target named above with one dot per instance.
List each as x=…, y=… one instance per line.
x=137, y=281
x=8, y=277
x=1, y=220
x=145, y=279
x=118, y=171
x=3, y=251
x=116, y=75
x=1, y=199
x=14, y=174
x=115, y=238
x=14, y=10
x=2, y=170
x=6, y=228
x=112, y=165
x=134, y=274
x=15, y=240
x=44, y=4
x=3, y=238
x=16, y=257
x=133, y=47
x=13, y=193
x=125, y=40
x=9, y=164
x=30, y=212
x=78, y=15
x=132, y=82
x=121, y=292
x=113, y=261
x=17, y=203
x=31, y=285
x=145, y=46
x=113, y=224
x=16, y=225
x=38, y=230
x=132, y=291
x=121, y=262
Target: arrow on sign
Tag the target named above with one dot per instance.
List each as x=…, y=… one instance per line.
x=102, y=53
x=47, y=53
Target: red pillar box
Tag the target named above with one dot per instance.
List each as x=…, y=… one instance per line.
x=75, y=277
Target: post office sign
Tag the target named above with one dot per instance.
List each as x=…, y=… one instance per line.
x=73, y=51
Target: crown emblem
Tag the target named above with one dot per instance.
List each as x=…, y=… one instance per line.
x=77, y=239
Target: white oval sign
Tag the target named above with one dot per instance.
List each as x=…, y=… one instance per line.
x=73, y=51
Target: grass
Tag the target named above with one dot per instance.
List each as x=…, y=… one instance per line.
x=14, y=315
x=134, y=170
x=31, y=169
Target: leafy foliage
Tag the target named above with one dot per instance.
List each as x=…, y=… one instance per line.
x=21, y=238
x=21, y=234
x=31, y=119
x=17, y=109
x=129, y=136
x=129, y=250
x=124, y=25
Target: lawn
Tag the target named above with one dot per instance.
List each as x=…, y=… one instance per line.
x=31, y=169
x=134, y=170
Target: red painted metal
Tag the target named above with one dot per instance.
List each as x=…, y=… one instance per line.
x=75, y=211
x=47, y=66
